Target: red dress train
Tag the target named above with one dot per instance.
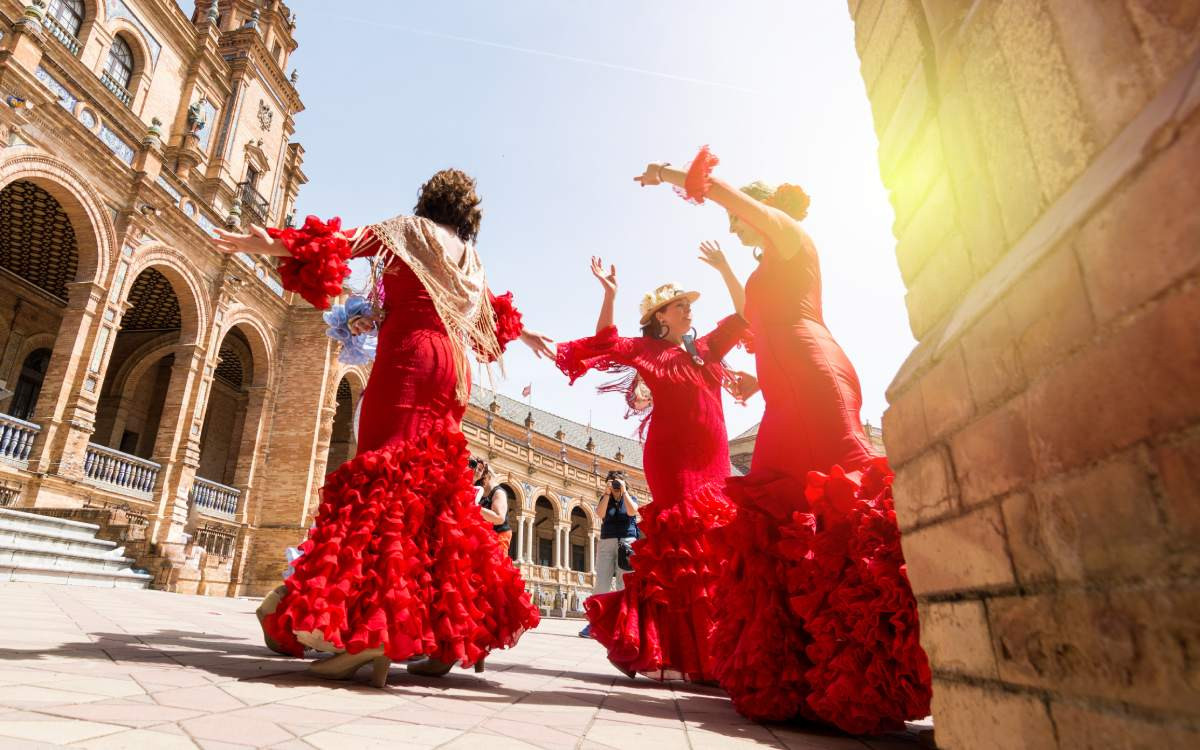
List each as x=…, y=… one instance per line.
x=816, y=617
x=661, y=622
x=399, y=557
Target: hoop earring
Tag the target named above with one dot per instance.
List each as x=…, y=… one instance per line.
x=663, y=330
x=758, y=254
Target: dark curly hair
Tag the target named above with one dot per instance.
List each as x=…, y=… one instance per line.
x=449, y=198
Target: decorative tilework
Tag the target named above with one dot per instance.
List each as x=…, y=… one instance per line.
x=65, y=99
x=115, y=144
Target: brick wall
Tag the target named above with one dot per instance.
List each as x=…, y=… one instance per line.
x=1046, y=430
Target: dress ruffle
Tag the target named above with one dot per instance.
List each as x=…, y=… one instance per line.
x=401, y=559
x=509, y=323
x=817, y=617
x=698, y=181
x=318, y=263
x=660, y=624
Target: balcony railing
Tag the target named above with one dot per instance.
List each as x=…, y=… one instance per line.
x=59, y=32
x=16, y=439
x=214, y=499
x=255, y=206
x=112, y=85
x=128, y=473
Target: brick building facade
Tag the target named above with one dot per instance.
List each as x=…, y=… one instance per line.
x=1041, y=158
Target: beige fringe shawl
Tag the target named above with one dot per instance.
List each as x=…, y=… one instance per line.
x=459, y=293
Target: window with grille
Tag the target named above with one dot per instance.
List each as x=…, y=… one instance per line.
x=68, y=14
x=120, y=63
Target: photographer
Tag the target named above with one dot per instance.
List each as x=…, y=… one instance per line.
x=618, y=511
x=493, y=503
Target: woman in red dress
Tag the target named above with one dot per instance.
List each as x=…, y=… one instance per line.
x=400, y=563
x=817, y=619
x=659, y=625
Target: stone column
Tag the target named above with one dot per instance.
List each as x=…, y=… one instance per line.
x=530, y=540
x=66, y=408
x=177, y=444
x=590, y=556
x=255, y=428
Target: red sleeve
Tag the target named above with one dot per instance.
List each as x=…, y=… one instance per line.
x=316, y=266
x=728, y=333
x=509, y=324
x=605, y=351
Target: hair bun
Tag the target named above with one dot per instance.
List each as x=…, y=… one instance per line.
x=791, y=199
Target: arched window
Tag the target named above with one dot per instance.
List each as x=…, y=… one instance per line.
x=29, y=384
x=68, y=14
x=119, y=67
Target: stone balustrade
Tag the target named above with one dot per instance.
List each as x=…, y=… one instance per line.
x=129, y=474
x=16, y=439
x=214, y=499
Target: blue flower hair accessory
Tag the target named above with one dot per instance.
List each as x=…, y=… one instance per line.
x=356, y=349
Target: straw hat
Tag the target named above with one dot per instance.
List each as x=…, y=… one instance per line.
x=663, y=296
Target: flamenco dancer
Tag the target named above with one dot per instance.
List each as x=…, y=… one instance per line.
x=400, y=562
x=660, y=623
x=816, y=619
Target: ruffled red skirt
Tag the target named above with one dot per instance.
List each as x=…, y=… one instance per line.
x=661, y=623
x=401, y=559
x=817, y=619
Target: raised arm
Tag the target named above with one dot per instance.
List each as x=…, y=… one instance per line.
x=711, y=253
x=782, y=233
x=609, y=282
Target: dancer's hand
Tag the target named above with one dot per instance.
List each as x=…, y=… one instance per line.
x=652, y=175
x=607, y=280
x=742, y=386
x=711, y=253
x=254, y=242
x=542, y=345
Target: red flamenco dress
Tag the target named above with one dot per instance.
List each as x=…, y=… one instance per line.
x=660, y=624
x=817, y=619
x=399, y=558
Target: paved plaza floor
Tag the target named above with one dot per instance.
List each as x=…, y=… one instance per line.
x=114, y=668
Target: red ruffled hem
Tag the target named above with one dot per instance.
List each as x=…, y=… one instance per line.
x=817, y=617
x=318, y=263
x=698, y=181
x=401, y=559
x=661, y=623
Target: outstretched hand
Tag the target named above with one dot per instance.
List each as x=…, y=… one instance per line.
x=652, y=175
x=542, y=345
x=254, y=242
x=711, y=253
x=607, y=280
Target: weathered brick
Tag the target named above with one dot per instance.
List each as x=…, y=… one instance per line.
x=1122, y=389
x=1081, y=728
x=1002, y=131
x=1055, y=126
x=956, y=638
x=864, y=23
x=1026, y=542
x=925, y=489
x=1130, y=252
x=944, y=279
x=904, y=431
x=975, y=718
x=915, y=176
x=1049, y=310
x=874, y=47
x=1178, y=465
x=946, y=394
x=990, y=353
x=992, y=455
x=1101, y=48
x=1101, y=521
x=926, y=235
x=905, y=126
x=903, y=61
x=1135, y=646
x=964, y=553
x=1167, y=29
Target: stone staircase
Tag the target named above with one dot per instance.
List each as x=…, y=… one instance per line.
x=44, y=549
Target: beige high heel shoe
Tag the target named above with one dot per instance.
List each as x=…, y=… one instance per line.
x=344, y=666
x=268, y=606
x=429, y=667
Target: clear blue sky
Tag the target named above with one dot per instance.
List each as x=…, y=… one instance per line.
x=554, y=106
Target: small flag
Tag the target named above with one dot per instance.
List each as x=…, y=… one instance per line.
x=527, y=390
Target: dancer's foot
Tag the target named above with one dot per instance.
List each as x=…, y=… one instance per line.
x=268, y=606
x=429, y=667
x=345, y=665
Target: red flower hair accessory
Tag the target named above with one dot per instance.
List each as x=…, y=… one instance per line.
x=791, y=199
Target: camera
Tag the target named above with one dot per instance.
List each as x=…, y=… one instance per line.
x=472, y=463
x=614, y=483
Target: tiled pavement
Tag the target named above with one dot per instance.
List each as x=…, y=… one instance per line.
x=114, y=668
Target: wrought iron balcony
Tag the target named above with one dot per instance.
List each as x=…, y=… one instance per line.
x=59, y=32
x=254, y=205
x=118, y=90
